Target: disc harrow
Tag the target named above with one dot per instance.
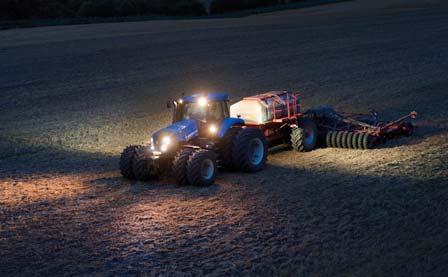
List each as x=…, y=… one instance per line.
x=351, y=140
x=357, y=131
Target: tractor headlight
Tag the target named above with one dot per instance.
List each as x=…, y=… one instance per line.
x=165, y=143
x=164, y=147
x=166, y=140
x=202, y=101
x=213, y=129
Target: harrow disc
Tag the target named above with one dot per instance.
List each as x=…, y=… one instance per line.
x=355, y=140
x=334, y=138
x=367, y=142
x=339, y=141
x=328, y=139
x=345, y=139
x=360, y=141
x=348, y=140
x=344, y=143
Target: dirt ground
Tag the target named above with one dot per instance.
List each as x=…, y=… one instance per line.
x=73, y=96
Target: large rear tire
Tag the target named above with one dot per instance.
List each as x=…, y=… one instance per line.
x=180, y=166
x=249, y=150
x=142, y=165
x=126, y=161
x=304, y=136
x=201, y=168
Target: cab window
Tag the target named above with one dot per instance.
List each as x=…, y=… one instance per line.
x=213, y=111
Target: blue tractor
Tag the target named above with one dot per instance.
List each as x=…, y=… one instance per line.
x=201, y=138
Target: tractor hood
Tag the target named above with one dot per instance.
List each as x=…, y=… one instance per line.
x=182, y=131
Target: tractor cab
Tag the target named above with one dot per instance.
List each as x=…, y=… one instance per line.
x=208, y=111
x=211, y=108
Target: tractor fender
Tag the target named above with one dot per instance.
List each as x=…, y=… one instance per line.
x=227, y=123
x=183, y=130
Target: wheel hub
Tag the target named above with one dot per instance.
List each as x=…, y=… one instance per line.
x=207, y=169
x=309, y=136
x=256, y=151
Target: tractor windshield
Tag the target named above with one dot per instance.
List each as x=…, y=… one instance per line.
x=211, y=112
x=194, y=111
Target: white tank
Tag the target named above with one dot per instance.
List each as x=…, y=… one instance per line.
x=253, y=111
x=259, y=109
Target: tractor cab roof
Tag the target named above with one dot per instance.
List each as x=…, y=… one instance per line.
x=210, y=97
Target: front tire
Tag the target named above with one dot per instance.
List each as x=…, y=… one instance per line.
x=142, y=165
x=201, y=168
x=126, y=161
x=179, y=168
x=249, y=150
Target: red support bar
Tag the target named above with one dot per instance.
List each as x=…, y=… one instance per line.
x=411, y=115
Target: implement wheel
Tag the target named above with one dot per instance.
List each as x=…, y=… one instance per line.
x=126, y=161
x=201, y=167
x=304, y=137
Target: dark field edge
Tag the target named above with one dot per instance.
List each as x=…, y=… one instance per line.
x=15, y=24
